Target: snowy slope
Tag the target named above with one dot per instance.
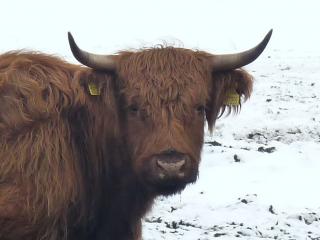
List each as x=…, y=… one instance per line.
x=260, y=170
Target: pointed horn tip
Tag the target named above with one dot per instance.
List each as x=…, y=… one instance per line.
x=237, y=60
x=95, y=61
x=76, y=51
x=71, y=40
x=70, y=37
x=265, y=41
x=269, y=34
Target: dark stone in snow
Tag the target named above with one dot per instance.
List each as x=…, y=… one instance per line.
x=214, y=143
x=219, y=234
x=173, y=209
x=236, y=158
x=267, y=150
x=245, y=201
x=271, y=209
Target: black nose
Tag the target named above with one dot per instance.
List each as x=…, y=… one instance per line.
x=171, y=164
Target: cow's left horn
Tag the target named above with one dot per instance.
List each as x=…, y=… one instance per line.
x=237, y=60
x=95, y=61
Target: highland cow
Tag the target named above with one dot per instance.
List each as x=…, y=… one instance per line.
x=84, y=151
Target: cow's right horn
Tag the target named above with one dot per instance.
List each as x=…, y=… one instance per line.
x=236, y=60
x=95, y=61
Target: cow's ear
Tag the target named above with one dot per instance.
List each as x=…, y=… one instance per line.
x=227, y=90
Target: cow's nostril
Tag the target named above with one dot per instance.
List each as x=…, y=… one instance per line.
x=171, y=167
x=170, y=151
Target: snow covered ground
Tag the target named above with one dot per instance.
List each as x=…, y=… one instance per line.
x=260, y=173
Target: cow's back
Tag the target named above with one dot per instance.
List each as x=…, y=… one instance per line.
x=40, y=180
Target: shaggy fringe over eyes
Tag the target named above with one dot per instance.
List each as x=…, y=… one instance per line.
x=164, y=76
x=222, y=82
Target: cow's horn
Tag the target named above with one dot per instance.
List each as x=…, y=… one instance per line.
x=232, y=61
x=95, y=61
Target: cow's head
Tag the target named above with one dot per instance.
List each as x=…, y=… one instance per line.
x=166, y=94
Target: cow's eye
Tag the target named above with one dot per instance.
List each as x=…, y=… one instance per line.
x=133, y=109
x=200, y=109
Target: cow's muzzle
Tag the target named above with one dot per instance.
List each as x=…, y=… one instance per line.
x=168, y=172
x=171, y=165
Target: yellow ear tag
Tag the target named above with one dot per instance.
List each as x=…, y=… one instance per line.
x=232, y=98
x=93, y=89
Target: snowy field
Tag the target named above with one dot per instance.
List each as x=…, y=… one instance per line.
x=260, y=173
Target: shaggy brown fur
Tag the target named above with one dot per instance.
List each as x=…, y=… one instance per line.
x=72, y=165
